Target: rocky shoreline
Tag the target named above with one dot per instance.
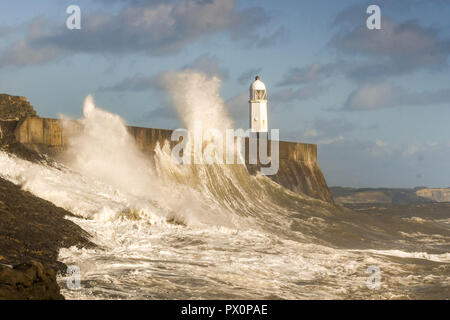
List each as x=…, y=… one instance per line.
x=32, y=230
x=28, y=281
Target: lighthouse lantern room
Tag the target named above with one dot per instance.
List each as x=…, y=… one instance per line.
x=258, y=106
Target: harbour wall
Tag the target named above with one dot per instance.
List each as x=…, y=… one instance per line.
x=299, y=170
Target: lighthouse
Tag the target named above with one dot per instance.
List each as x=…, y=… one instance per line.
x=258, y=106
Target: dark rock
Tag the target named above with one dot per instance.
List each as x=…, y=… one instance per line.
x=32, y=231
x=14, y=108
x=28, y=281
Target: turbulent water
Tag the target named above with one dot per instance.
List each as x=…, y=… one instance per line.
x=166, y=231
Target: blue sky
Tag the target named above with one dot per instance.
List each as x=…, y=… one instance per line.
x=377, y=102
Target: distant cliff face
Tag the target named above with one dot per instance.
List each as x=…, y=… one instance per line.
x=346, y=196
x=364, y=197
x=436, y=194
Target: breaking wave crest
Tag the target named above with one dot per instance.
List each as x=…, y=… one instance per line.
x=208, y=231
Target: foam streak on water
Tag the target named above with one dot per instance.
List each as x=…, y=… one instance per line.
x=144, y=256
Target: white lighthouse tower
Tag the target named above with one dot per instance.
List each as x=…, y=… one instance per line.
x=258, y=106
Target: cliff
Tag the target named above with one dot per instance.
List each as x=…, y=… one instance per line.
x=345, y=196
x=417, y=195
x=435, y=194
x=14, y=108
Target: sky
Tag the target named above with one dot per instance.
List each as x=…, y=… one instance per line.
x=376, y=102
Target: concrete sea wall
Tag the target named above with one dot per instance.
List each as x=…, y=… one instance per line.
x=299, y=169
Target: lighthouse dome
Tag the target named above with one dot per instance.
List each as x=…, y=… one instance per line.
x=258, y=90
x=257, y=85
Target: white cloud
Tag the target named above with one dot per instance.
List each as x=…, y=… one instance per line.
x=371, y=96
x=330, y=140
x=405, y=46
x=380, y=148
x=382, y=95
x=420, y=147
x=300, y=94
x=208, y=65
x=151, y=27
x=310, y=133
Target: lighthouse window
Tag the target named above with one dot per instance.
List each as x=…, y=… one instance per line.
x=260, y=94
